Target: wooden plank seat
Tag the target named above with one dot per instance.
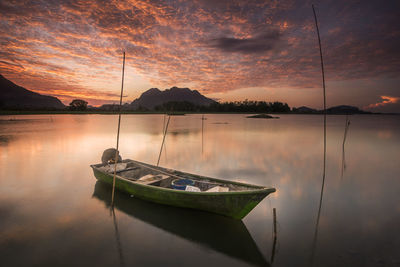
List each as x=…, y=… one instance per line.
x=150, y=178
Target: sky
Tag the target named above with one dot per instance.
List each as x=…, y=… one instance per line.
x=227, y=50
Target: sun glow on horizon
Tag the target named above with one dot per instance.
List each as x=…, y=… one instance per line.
x=230, y=51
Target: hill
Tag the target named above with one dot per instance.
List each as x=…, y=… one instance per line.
x=13, y=96
x=342, y=109
x=304, y=110
x=154, y=97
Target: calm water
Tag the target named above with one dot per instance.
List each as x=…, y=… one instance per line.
x=54, y=213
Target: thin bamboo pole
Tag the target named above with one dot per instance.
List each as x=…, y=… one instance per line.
x=163, y=126
x=274, y=215
x=324, y=160
x=346, y=128
x=162, y=144
x=275, y=236
x=165, y=145
x=119, y=126
x=202, y=134
x=323, y=85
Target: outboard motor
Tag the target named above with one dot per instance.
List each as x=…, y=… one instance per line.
x=109, y=156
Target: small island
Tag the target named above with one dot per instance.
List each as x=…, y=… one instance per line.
x=262, y=116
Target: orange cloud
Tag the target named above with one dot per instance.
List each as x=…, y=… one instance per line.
x=385, y=100
x=75, y=47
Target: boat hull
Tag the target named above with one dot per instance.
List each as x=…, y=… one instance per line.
x=210, y=231
x=236, y=204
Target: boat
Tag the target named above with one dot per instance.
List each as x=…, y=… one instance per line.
x=207, y=230
x=180, y=189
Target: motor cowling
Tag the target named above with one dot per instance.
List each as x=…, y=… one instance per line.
x=108, y=156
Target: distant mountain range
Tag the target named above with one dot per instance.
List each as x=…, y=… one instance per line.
x=342, y=109
x=154, y=97
x=13, y=96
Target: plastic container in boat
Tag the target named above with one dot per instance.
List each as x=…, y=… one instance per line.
x=181, y=184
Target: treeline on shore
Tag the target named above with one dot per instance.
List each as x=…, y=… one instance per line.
x=182, y=106
x=185, y=106
x=237, y=106
x=81, y=106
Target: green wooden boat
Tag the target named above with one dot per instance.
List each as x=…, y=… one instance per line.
x=209, y=230
x=158, y=184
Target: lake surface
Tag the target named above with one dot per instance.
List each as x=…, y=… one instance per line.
x=53, y=212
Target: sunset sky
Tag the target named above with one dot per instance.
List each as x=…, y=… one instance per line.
x=227, y=50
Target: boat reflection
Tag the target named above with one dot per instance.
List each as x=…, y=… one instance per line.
x=222, y=234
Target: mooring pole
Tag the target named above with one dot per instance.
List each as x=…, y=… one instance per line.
x=119, y=126
x=274, y=212
x=324, y=160
x=162, y=144
x=323, y=85
x=275, y=236
x=202, y=134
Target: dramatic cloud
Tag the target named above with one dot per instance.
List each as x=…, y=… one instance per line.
x=73, y=48
x=385, y=101
x=261, y=43
x=386, y=104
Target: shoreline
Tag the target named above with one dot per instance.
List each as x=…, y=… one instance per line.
x=61, y=112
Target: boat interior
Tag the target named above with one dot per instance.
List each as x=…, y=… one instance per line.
x=156, y=176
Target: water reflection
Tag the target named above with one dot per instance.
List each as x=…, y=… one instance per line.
x=222, y=234
x=202, y=134
x=346, y=128
x=117, y=237
x=46, y=188
x=315, y=239
x=314, y=244
x=5, y=139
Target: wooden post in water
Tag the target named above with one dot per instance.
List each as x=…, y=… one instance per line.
x=119, y=125
x=274, y=213
x=275, y=236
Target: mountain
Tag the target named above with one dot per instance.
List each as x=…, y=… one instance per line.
x=154, y=97
x=13, y=96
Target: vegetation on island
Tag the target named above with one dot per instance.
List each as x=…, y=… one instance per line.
x=262, y=116
x=78, y=104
